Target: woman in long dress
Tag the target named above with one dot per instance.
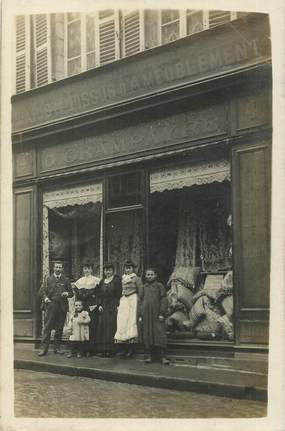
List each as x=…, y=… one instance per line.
x=127, y=329
x=85, y=290
x=108, y=297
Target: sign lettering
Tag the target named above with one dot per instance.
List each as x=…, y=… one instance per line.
x=178, y=65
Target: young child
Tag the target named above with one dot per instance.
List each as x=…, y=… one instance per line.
x=152, y=309
x=127, y=329
x=79, y=330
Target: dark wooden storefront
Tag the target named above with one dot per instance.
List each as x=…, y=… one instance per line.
x=203, y=97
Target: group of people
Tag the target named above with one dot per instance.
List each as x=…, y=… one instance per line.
x=110, y=315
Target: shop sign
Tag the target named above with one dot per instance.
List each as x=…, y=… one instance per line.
x=173, y=130
x=213, y=53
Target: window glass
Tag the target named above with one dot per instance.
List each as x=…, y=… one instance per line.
x=125, y=189
x=90, y=33
x=72, y=16
x=74, y=39
x=194, y=22
x=125, y=239
x=190, y=245
x=74, y=66
x=169, y=15
x=170, y=32
x=91, y=60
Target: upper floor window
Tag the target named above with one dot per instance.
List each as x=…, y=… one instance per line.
x=170, y=25
x=33, y=55
x=53, y=46
x=23, y=52
x=177, y=23
x=98, y=38
x=73, y=43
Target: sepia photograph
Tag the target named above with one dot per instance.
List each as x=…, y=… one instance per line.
x=141, y=142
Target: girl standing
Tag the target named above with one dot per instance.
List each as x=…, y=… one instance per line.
x=84, y=290
x=79, y=331
x=127, y=329
x=152, y=310
x=108, y=297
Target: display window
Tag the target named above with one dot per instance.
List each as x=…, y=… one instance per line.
x=73, y=229
x=190, y=243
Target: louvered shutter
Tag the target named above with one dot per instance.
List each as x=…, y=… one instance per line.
x=218, y=17
x=109, y=48
x=132, y=32
x=22, y=53
x=41, y=31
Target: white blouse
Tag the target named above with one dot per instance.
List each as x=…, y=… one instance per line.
x=87, y=282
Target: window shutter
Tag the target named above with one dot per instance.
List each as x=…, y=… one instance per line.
x=218, y=17
x=133, y=33
x=41, y=31
x=108, y=36
x=22, y=53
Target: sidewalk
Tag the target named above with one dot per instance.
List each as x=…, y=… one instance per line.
x=216, y=377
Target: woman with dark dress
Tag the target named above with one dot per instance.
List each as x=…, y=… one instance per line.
x=84, y=290
x=152, y=310
x=108, y=296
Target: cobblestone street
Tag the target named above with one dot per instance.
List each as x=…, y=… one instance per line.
x=39, y=394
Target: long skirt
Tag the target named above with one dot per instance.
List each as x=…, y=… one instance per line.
x=92, y=329
x=127, y=329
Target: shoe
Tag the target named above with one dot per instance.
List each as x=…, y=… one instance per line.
x=79, y=355
x=165, y=361
x=130, y=354
x=58, y=352
x=148, y=360
x=122, y=355
x=42, y=353
x=70, y=355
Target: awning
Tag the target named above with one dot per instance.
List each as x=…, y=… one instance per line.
x=80, y=195
x=189, y=175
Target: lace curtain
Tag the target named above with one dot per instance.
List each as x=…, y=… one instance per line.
x=125, y=240
x=203, y=230
x=78, y=212
x=214, y=237
x=186, y=238
x=175, y=178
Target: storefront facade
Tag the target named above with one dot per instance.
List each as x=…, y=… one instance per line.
x=164, y=158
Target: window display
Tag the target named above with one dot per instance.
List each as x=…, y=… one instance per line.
x=191, y=245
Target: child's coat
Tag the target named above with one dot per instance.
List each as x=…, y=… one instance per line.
x=80, y=326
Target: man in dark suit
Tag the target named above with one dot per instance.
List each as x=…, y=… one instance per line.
x=54, y=293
